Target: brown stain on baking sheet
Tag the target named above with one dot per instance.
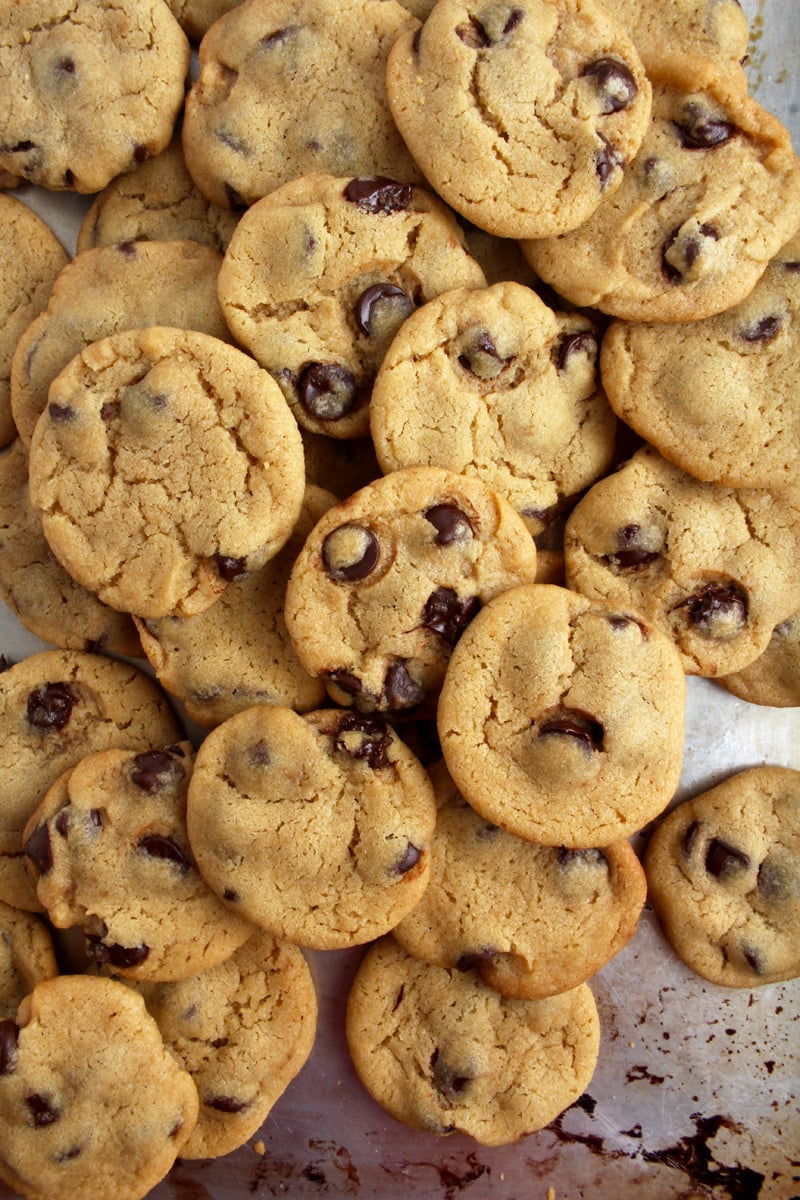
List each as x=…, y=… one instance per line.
x=693, y=1156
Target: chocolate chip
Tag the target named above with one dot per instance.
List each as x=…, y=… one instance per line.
x=447, y=1081
x=584, y=341
x=486, y=830
x=38, y=849
x=481, y=357
x=448, y=615
x=327, y=391
x=723, y=860
x=68, y=1155
x=350, y=553
x=41, y=1110
x=272, y=41
x=232, y=570
x=156, y=845
x=701, y=130
x=450, y=523
x=376, y=302
x=614, y=82
x=346, y=682
x=227, y=1104
x=50, y=706
x=776, y=882
x=573, y=724
x=513, y=21
x=377, y=194
x=140, y=154
x=607, y=160
x=129, y=249
x=717, y=609
x=259, y=754
x=473, y=34
x=691, y=247
x=67, y=65
x=631, y=553
x=110, y=411
x=152, y=769
x=400, y=689
x=588, y=858
x=371, y=741
x=476, y=958
x=9, y=1034
x=231, y=896
x=754, y=959
x=762, y=331
x=116, y=955
x=689, y=838
x=62, y=414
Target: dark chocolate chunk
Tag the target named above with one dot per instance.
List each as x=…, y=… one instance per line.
x=152, y=769
x=701, y=130
x=110, y=411
x=476, y=958
x=227, y=1104
x=717, y=603
x=450, y=523
x=777, y=882
x=378, y=297
x=400, y=689
x=589, y=858
x=448, y=615
x=692, y=246
x=61, y=413
x=157, y=845
x=723, y=860
x=762, y=331
x=408, y=859
x=447, y=1081
x=346, y=682
x=272, y=41
x=230, y=569
x=570, y=723
x=689, y=839
x=116, y=955
x=630, y=553
x=473, y=34
x=50, y=706
x=481, y=357
x=607, y=160
x=583, y=341
x=363, y=540
x=614, y=82
x=374, y=741
x=9, y=1034
x=42, y=1111
x=377, y=194
x=231, y=896
x=327, y=391
x=38, y=849
x=68, y=1155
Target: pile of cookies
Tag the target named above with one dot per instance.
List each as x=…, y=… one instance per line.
x=415, y=414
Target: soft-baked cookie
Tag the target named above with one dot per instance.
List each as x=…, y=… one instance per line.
x=714, y=568
x=27, y=956
x=723, y=877
x=713, y=29
x=562, y=718
x=129, y=285
x=109, y=850
x=166, y=465
x=157, y=201
x=712, y=195
x=531, y=920
x=92, y=1103
x=31, y=257
x=96, y=88
x=523, y=116
x=315, y=827
x=389, y=579
x=491, y=382
x=774, y=677
x=237, y=653
x=320, y=274
x=44, y=597
x=718, y=397
x=243, y=1030
x=291, y=87
x=442, y=1052
x=55, y=707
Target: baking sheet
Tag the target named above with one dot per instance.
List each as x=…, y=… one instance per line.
x=696, y=1089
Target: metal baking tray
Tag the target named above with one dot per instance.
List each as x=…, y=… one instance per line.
x=696, y=1090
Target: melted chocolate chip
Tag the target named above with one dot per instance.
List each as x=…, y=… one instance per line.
x=50, y=707
x=448, y=615
x=754, y=959
x=723, y=860
x=327, y=391
x=776, y=882
x=272, y=41
x=68, y=1155
x=350, y=553
x=231, y=896
x=473, y=34
x=158, y=846
x=692, y=247
x=38, y=849
x=689, y=839
x=400, y=689
x=372, y=743
x=450, y=523
x=8, y=1046
x=448, y=1083
x=67, y=65
x=346, y=682
x=481, y=357
x=377, y=194
x=376, y=298
x=700, y=130
x=476, y=958
x=615, y=84
x=607, y=160
x=41, y=1110
x=230, y=569
x=116, y=955
x=408, y=859
x=630, y=554
x=584, y=341
x=110, y=411
x=573, y=724
x=61, y=413
x=152, y=769
x=763, y=331
x=227, y=1104
x=717, y=606
x=259, y=754
x=589, y=858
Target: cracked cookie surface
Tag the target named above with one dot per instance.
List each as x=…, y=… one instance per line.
x=522, y=116
x=27, y=956
x=166, y=464
x=723, y=877
x=561, y=719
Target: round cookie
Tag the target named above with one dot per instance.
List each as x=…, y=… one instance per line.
x=44, y=597
x=532, y=920
x=710, y=198
x=562, y=719
x=243, y=1030
x=104, y=291
x=714, y=568
x=156, y=201
x=389, y=579
x=320, y=274
x=774, y=677
x=714, y=29
x=166, y=464
x=55, y=707
x=522, y=117
x=31, y=257
x=237, y=653
x=317, y=827
x=718, y=397
x=92, y=1103
x=294, y=87
x=442, y=1052
x=722, y=874
x=109, y=850
x=67, y=61
x=27, y=956
x=491, y=382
